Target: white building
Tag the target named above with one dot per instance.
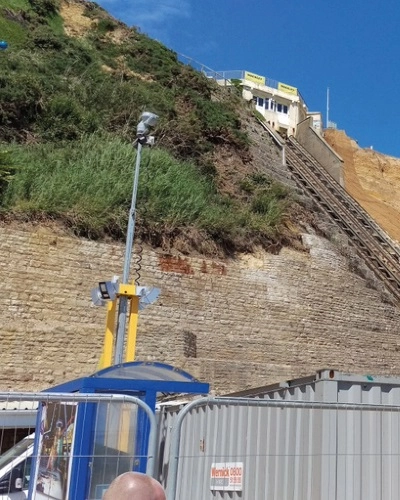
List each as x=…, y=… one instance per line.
x=282, y=105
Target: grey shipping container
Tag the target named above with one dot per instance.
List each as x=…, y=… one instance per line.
x=341, y=443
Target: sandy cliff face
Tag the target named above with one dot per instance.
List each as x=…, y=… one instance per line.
x=372, y=178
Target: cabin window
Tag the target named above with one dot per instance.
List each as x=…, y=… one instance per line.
x=282, y=108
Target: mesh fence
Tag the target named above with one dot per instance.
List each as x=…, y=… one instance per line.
x=233, y=448
x=81, y=444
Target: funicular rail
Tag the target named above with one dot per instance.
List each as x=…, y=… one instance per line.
x=379, y=253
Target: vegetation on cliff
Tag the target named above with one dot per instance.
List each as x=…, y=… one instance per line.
x=69, y=105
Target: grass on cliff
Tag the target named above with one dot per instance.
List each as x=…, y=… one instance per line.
x=88, y=186
x=54, y=87
x=70, y=106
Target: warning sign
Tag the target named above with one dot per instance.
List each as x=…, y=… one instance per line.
x=252, y=77
x=227, y=476
x=288, y=89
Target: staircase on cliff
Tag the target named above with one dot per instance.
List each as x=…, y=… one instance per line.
x=375, y=247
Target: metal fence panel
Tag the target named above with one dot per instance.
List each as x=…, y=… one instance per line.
x=283, y=450
x=82, y=442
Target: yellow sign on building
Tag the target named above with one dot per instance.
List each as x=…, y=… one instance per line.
x=252, y=77
x=287, y=88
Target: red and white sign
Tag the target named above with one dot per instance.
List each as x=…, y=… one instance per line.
x=226, y=476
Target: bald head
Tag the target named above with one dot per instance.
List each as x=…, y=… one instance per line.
x=134, y=486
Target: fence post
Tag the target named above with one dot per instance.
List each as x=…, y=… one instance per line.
x=174, y=451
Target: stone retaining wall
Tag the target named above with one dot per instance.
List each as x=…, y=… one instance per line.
x=246, y=322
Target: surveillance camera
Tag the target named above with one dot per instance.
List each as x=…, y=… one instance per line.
x=141, y=129
x=149, y=119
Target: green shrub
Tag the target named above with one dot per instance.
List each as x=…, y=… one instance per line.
x=237, y=86
x=43, y=37
x=21, y=98
x=263, y=203
x=259, y=179
x=45, y=8
x=106, y=25
x=66, y=119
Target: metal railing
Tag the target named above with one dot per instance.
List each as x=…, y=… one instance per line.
x=278, y=140
x=224, y=78
x=380, y=254
x=208, y=72
x=240, y=75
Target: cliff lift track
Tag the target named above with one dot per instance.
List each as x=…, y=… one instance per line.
x=372, y=243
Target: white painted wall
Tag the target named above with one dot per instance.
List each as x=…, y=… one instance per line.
x=295, y=109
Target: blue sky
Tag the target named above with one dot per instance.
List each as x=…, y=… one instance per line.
x=350, y=46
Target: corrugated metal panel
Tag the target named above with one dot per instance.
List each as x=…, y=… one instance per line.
x=298, y=454
x=279, y=448
x=18, y=414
